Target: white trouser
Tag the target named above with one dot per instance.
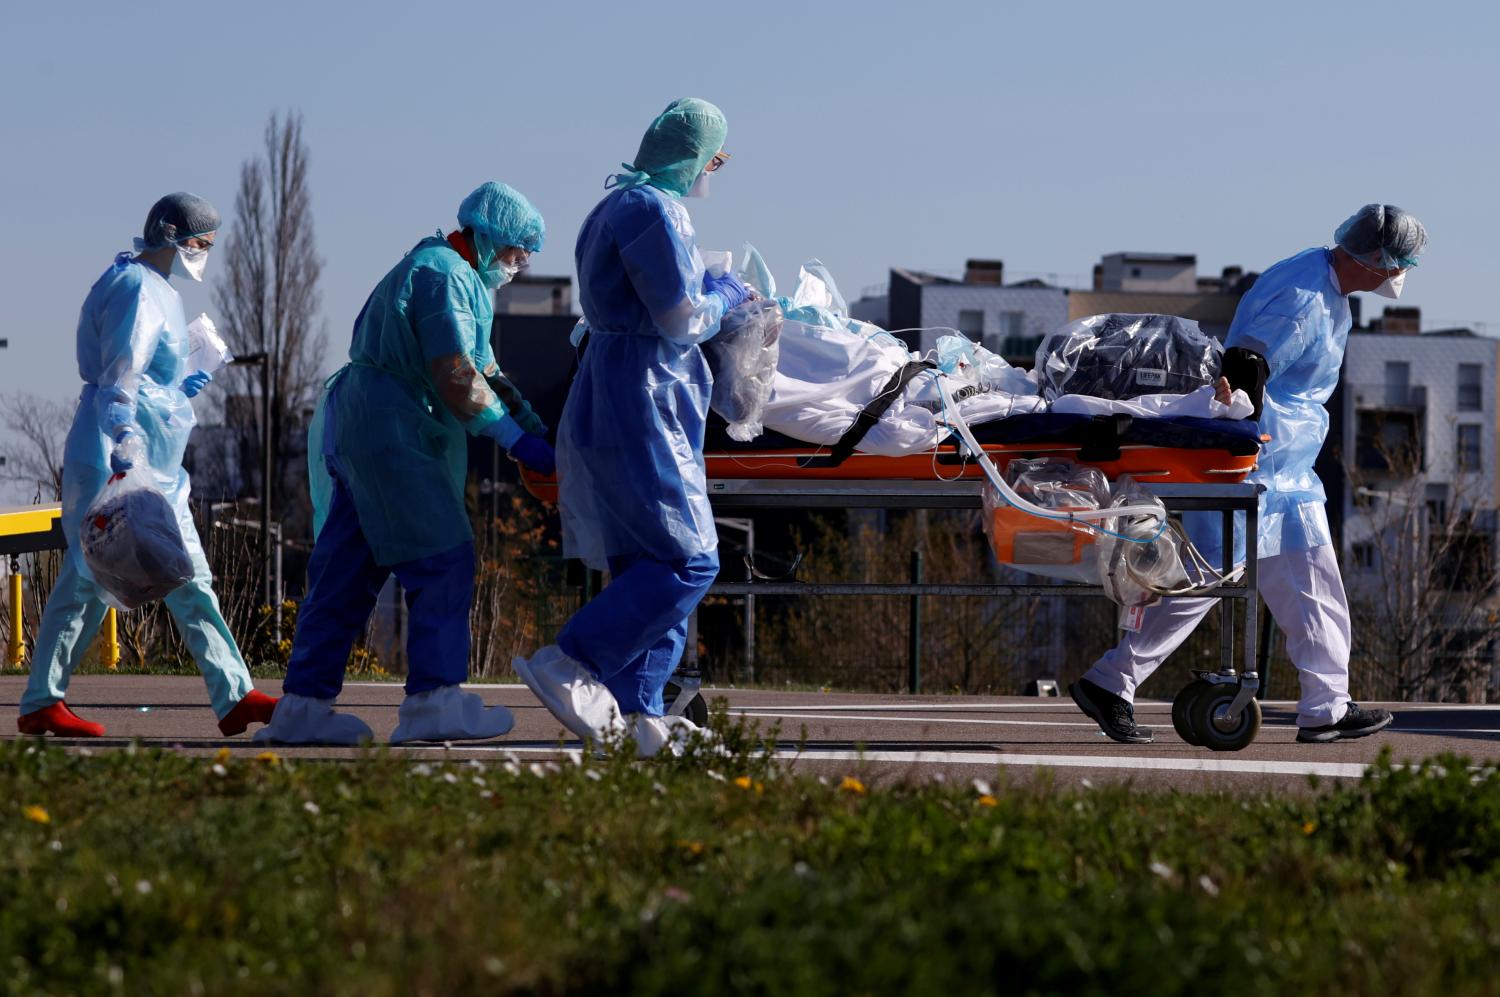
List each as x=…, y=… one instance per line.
x=1305, y=594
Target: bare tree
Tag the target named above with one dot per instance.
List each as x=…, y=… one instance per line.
x=268, y=299
x=39, y=429
x=1423, y=581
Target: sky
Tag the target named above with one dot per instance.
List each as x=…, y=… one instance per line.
x=865, y=134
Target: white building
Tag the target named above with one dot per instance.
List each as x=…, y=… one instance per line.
x=1431, y=396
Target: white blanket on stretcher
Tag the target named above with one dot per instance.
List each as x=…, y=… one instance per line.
x=831, y=367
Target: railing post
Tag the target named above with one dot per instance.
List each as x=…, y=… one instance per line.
x=914, y=630
x=15, y=654
x=111, y=649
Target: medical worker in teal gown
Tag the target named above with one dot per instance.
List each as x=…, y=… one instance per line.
x=630, y=449
x=134, y=412
x=388, y=458
x=1297, y=318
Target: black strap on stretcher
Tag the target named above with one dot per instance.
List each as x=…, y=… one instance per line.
x=869, y=416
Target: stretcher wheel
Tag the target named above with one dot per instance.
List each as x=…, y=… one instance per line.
x=697, y=707
x=1182, y=711
x=1206, y=713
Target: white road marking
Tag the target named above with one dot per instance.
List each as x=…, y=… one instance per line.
x=991, y=759
x=1333, y=770
x=941, y=720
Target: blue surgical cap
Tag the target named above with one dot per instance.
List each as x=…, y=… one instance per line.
x=1383, y=236
x=175, y=217
x=677, y=146
x=504, y=216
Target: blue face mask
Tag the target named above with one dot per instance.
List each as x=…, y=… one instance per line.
x=498, y=274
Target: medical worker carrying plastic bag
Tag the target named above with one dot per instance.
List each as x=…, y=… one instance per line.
x=633, y=490
x=134, y=416
x=388, y=456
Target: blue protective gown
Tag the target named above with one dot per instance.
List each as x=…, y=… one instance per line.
x=633, y=490
x=388, y=458
x=132, y=356
x=1297, y=317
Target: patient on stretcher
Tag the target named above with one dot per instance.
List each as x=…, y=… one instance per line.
x=835, y=375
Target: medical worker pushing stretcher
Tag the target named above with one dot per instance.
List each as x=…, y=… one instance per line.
x=633, y=490
x=390, y=434
x=1297, y=318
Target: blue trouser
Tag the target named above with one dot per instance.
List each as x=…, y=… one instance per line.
x=343, y=584
x=631, y=635
x=75, y=611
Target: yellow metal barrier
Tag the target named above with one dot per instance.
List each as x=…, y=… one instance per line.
x=24, y=530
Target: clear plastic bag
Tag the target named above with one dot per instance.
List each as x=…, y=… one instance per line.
x=207, y=350
x=743, y=358
x=1136, y=573
x=1020, y=538
x=1120, y=356
x=131, y=541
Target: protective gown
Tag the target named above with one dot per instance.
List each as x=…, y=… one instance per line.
x=389, y=446
x=132, y=355
x=633, y=489
x=1297, y=317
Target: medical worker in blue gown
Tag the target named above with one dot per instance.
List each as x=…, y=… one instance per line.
x=133, y=412
x=388, y=457
x=630, y=449
x=1297, y=317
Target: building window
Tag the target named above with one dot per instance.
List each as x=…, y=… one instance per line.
x=971, y=322
x=1364, y=556
x=1470, y=391
x=1135, y=271
x=1466, y=450
x=1397, y=382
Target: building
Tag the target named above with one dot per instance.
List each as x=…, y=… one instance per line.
x=1007, y=319
x=1011, y=319
x=1413, y=484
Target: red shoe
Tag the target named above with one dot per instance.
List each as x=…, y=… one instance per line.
x=59, y=720
x=255, y=708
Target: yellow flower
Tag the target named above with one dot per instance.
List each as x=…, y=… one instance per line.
x=1309, y=827
x=222, y=755
x=988, y=801
x=851, y=785
x=691, y=847
x=744, y=782
x=36, y=814
x=269, y=757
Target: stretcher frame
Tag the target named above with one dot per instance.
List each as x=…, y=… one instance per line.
x=1236, y=688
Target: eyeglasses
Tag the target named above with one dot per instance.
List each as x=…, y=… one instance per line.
x=1386, y=273
x=717, y=163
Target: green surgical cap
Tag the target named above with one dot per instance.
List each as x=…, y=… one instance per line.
x=677, y=146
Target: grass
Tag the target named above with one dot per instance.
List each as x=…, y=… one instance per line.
x=151, y=871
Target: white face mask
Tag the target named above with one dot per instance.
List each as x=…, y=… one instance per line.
x=699, y=187
x=189, y=263
x=1392, y=286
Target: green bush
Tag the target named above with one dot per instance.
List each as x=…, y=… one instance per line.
x=151, y=871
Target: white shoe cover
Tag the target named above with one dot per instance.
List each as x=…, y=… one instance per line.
x=447, y=713
x=655, y=734
x=305, y=720
x=583, y=703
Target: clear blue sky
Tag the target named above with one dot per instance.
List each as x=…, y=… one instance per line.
x=867, y=134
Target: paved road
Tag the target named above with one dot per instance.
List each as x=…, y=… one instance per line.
x=884, y=737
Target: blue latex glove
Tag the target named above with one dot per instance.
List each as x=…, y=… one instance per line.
x=128, y=449
x=727, y=287
x=196, y=382
x=536, y=453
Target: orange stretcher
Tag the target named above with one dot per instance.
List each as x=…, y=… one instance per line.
x=1162, y=451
